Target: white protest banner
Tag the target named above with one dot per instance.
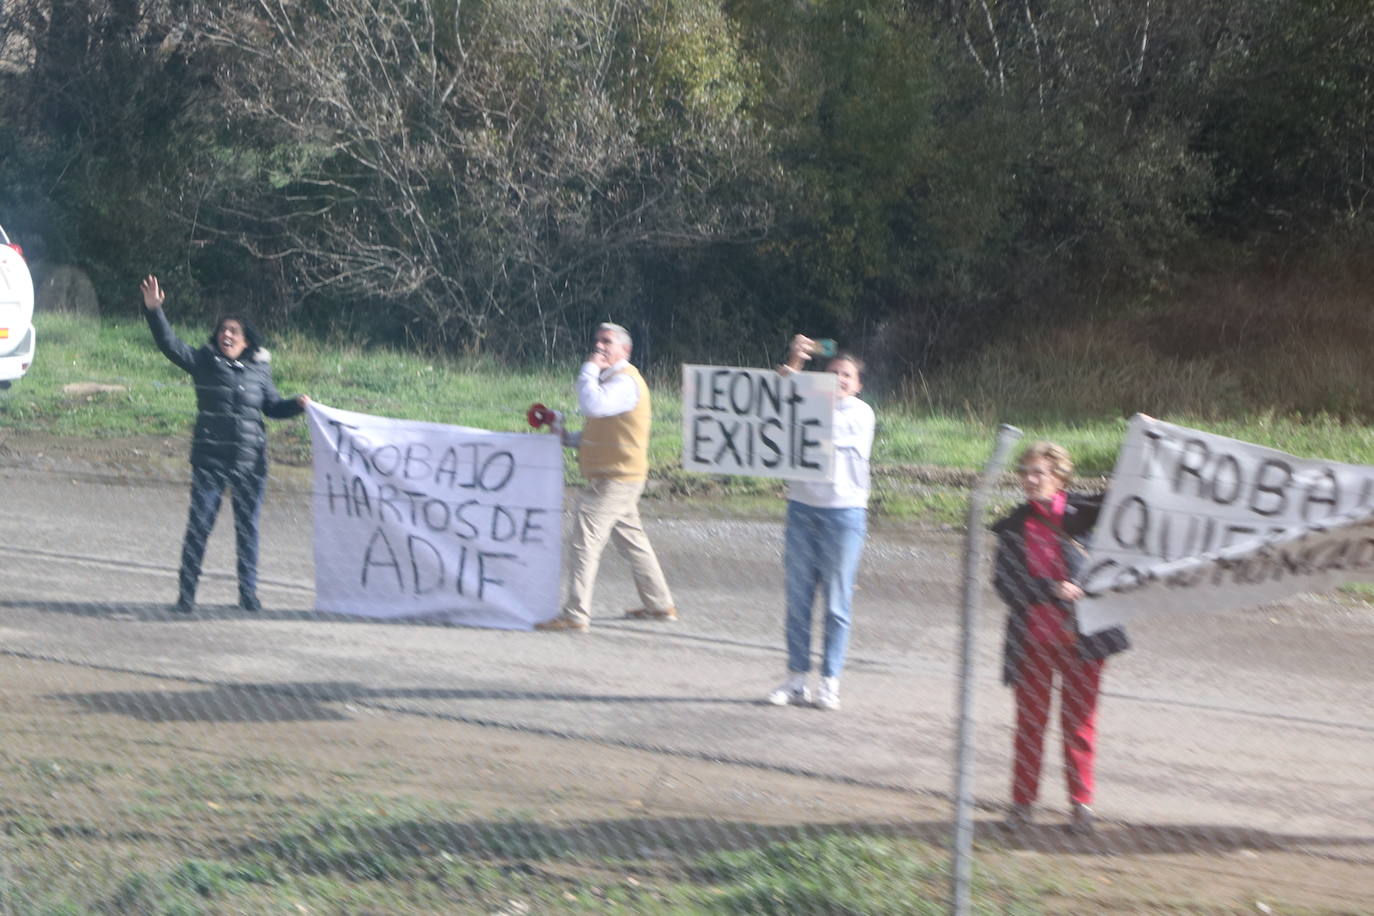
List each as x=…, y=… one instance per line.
x=422, y=519
x=758, y=422
x=1196, y=522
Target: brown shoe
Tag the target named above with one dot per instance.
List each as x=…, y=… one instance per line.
x=648, y=613
x=564, y=622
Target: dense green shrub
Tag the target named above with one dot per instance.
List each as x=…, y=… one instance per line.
x=917, y=177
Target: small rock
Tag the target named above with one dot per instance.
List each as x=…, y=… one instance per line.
x=87, y=389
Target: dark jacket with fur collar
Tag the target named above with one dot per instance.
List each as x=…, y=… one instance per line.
x=231, y=397
x=1019, y=590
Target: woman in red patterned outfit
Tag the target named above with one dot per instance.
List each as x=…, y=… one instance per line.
x=1038, y=559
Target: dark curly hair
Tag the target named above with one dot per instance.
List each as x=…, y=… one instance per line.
x=251, y=337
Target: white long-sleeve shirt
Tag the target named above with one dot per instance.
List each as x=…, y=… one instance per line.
x=602, y=393
x=853, y=436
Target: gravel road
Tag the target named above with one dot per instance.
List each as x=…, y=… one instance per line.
x=1262, y=719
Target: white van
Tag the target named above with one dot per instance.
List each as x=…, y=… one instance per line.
x=16, y=312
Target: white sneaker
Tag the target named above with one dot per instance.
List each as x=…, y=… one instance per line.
x=791, y=692
x=828, y=697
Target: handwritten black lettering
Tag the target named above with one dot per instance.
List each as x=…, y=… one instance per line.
x=416, y=549
x=702, y=424
x=1130, y=535
x=1325, y=490
x=718, y=378
x=341, y=494
x=484, y=560
x=742, y=394
x=1226, y=474
x=377, y=543
x=807, y=446
x=386, y=459
x=1271, y=480
x=529, y=527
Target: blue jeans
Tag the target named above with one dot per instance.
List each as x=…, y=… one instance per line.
x=207, y=491
x=821, y=547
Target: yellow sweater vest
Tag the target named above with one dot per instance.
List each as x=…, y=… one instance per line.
x=617, y=447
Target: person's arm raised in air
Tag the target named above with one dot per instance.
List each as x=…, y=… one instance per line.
x=799, y=351
x=172, y=346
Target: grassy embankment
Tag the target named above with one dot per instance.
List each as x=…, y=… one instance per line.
x=395, y=855
x=220, y=837
x=1247, y=374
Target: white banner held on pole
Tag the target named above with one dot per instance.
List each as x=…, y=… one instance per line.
x=758, y=422
x=417, y=519
x=1197, y=522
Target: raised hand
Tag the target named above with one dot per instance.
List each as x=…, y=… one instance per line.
x=799, y=351
x=153, y=296
x=599, y=358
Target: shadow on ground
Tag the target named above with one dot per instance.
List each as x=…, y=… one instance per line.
x=146, y=612
x=674, y=838
x=288, y=702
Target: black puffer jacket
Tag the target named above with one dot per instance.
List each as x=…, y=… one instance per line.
x=231, y=397
x=1019, y=590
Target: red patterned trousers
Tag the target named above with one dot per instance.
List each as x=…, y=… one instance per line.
x=1078, y=689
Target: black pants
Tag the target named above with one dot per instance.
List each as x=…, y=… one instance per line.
x=207, y=490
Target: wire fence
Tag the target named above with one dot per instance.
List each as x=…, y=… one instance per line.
x=283, y=760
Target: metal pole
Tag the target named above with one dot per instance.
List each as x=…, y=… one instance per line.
x=973, y=581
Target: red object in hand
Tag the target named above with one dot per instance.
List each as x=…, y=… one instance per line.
x=538, y=415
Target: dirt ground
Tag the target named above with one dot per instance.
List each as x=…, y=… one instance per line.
x=110, y=733
x=86, y=746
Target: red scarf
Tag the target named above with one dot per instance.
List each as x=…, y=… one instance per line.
x=1045, y=560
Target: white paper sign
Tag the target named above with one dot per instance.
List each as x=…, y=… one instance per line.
x=422, y=519
x=758, y=422
x=1196, y=522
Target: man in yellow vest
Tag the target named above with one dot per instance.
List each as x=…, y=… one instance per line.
x=613, y=452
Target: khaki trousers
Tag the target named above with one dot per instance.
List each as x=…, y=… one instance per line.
x=609, y=510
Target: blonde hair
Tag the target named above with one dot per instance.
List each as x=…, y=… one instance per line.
x=1057, y=456
x=846, y=356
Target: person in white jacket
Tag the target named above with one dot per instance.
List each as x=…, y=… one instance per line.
x=613, y=453
x=827, y=522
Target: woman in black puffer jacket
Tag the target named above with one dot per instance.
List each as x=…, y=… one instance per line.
x=234, y=389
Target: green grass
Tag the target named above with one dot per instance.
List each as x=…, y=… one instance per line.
x=913, y=429
x=396, y=855
x=399, y=855
x=846, y=874
x=253, y=835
